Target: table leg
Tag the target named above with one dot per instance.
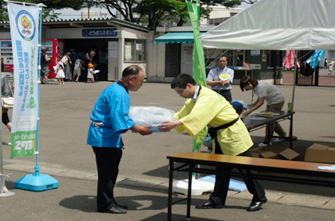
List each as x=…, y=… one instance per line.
x=169, y=218
x=189, y=191
x=268, y=138
x=291, y=131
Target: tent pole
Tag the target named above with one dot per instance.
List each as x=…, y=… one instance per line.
x=295, y=79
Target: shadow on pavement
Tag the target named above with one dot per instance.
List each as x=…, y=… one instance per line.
x=163, y=216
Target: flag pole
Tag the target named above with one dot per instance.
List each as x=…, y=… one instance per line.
x=37, y=181
x=3, y=177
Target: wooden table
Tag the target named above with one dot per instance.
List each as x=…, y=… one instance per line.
x=278, y=168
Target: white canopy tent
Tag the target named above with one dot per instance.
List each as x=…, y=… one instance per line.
x=277, y=25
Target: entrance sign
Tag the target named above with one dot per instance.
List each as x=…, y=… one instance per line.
x=101, y=32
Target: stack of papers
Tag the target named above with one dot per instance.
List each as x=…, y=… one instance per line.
x=332, y=167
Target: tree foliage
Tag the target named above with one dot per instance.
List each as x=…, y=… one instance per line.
x=155, y=13
x=151, y=13
x=50, y=6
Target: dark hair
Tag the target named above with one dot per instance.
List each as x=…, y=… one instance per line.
x=222, y=57
x=182, y=80
x=246, y=80
x=131, y=70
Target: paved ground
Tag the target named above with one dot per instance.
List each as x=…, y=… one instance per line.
x=142, y=182
x=324, y=79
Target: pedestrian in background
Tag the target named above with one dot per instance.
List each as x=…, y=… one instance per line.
x=110, y=118
x=78, y=66
x=331, y=66
x=221, y=77
x=325, y=66
x=6, y=91
x=90, y=73
x=45, y=59
x=60, y=73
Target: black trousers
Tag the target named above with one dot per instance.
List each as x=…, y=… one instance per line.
x=226, y=94
x=223, y=174
x=108, y=160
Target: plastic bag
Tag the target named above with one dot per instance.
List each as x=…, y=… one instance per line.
x=150, y=116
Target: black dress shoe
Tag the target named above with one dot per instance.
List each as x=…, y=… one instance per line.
x=208, y=205
x=254, y=206
x=116, y=210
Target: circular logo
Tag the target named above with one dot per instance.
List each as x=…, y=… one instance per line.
x=224, y=76
x=25, y=24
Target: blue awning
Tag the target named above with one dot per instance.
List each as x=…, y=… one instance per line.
x=176, y=37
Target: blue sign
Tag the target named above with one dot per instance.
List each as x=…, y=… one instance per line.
x=101, y=32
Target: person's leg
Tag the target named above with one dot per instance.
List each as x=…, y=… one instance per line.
x=254, y=187
x=46, y=79
x=9, y=126
x=218, y=197
x=275, y=127
x=222, y=178
x=227, y=95
x=107, y=160
x=5, y=119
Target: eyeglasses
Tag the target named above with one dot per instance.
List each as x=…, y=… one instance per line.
x=144, y=79
x=180, y=91
x=141, y=81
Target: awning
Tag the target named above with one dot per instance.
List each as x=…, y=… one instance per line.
x=176, y=37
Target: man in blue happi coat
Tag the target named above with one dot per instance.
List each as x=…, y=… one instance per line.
x=109, y=120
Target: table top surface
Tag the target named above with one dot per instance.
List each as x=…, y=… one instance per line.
x=202, y=158
x=253, y=121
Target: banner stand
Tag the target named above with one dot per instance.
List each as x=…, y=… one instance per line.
x=36, y=181
x=3, y=189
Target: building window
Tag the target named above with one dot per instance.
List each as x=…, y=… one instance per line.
x=235, y=58
x=134, y=50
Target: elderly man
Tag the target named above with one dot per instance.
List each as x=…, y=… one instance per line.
x=221, y=77
x=109, y=120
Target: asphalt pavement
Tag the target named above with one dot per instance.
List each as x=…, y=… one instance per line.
x=143, y=178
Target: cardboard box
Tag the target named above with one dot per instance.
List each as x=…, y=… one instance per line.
x=269, y=155
x=274, y=153
x=321, y=153
x=288, y=154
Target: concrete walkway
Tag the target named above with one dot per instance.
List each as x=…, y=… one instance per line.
x=143, y=178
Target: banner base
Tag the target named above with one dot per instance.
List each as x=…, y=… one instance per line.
x=37, y=182
x=7, y=194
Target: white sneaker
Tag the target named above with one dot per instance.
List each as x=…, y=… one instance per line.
x=264, y=144
x=278, y=140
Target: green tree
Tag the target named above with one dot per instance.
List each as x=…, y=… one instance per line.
x=50, y=6
x=155, y=13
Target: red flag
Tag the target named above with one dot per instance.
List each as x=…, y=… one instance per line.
x=289, y=60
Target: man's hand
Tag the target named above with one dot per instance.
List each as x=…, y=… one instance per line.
x=141, y=130
x=246, y=113
x=168, y=125
x=224, y=82
x=145, y=131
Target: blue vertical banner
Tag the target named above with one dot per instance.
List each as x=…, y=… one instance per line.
x=198, y=62
x=24, y=30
